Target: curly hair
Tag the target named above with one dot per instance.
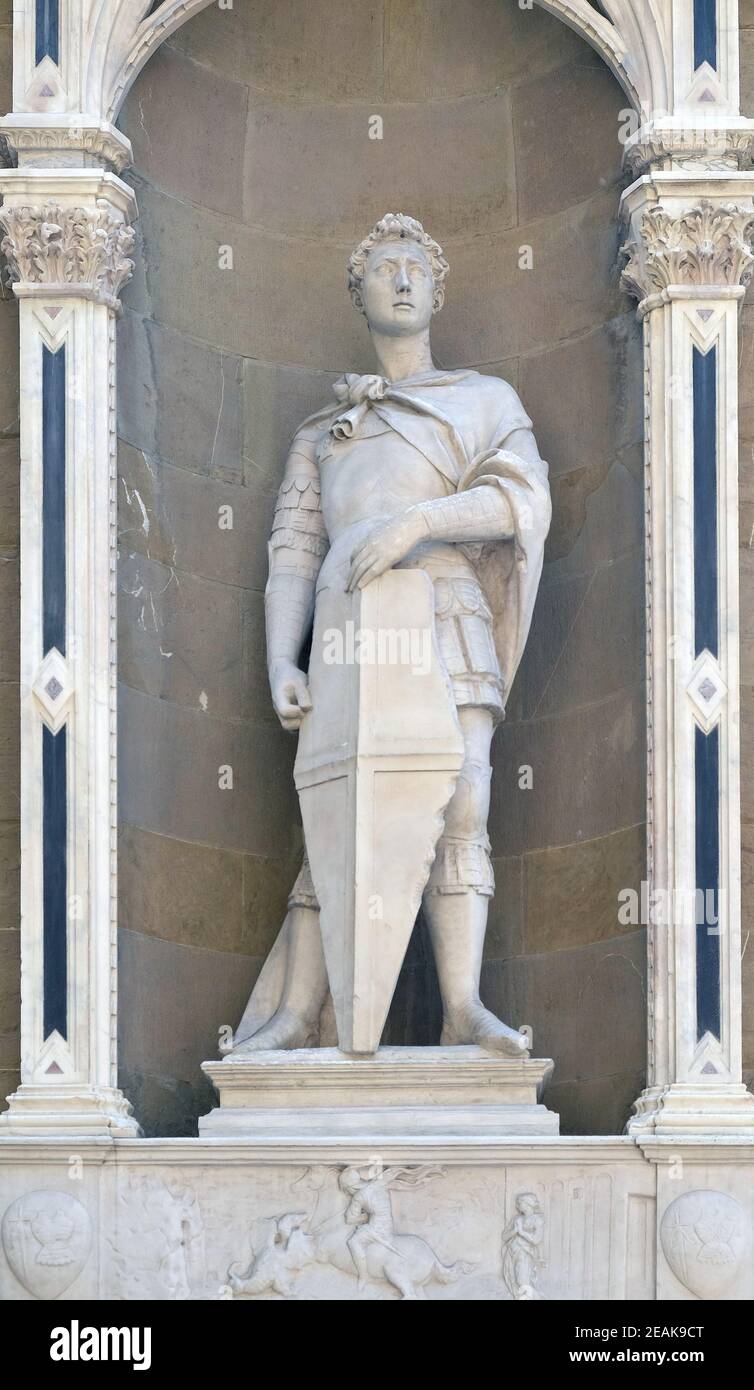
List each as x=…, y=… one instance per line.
x=393, y=227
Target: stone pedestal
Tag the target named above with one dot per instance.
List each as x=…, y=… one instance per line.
x=447, y=1094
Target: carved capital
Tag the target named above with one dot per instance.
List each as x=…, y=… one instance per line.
x=706, y=245
x=77, y=247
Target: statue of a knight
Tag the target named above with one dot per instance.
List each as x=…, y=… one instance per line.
x=414, y=467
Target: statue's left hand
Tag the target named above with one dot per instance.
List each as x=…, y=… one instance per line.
x=386, y=547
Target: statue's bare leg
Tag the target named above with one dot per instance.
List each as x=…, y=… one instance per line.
x=457, y=897
x=296, y=1022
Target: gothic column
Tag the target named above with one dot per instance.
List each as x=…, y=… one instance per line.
x=67, y=241
x=689, y=250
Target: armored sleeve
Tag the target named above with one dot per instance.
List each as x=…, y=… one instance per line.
x=299, y=538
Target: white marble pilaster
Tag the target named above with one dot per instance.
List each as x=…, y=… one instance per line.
x=67, y=240
x=689, y=260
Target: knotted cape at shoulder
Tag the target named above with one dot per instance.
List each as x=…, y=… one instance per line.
x=474, y=430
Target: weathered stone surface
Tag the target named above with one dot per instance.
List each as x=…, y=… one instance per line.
x=582, y=95
x=181, y=400
x=202, y=160
x=10, y=1080
x=180, y=637
x=582, y=1004
x=747, y=72
x=10, y=1002
x=598, y=407
x=312, y=50
x=571, y=892
x=276, y=400
x=256, y=703
x=437, y=48
x=9, y=751
x=203, y=526
x=595, y=1105
x=10, y=866
x=171, y=764
x=495, y=310
x=198, y=990
x=9, y=478
x=506, y=915
x=598, y=515
x=604, y=649
x=10, y=610
x=187, y=893
x=9, y=359
x=425, y=149
x=588, y=775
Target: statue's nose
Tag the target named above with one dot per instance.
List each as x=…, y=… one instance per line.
x=402, y=282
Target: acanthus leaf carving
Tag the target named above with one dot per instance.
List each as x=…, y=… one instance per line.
x=55, y=245
x=706, y=245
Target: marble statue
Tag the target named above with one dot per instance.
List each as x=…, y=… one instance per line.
x=417, y=494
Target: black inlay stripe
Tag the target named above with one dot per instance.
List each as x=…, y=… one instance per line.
x=708, y=926
x=705, y=501
x=53, y=499
x=705, y=33
x=47, y=35
x=55, y=882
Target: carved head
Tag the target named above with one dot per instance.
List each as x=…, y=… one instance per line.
x=527, y=1204
x=396, y=276
x=350, y=1181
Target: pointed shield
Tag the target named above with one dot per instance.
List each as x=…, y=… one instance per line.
x=377, y=762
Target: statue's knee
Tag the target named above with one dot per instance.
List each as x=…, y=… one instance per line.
x=467, y=813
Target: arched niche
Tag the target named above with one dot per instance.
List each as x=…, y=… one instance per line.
x=500, y=137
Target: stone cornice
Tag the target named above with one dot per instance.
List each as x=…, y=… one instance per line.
x=64, y=141
x=697, y=150
x=705, y=245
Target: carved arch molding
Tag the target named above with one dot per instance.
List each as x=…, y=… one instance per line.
x=105, y=44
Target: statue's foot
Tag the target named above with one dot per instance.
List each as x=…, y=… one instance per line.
x=285, y=1030
x=475, y=1024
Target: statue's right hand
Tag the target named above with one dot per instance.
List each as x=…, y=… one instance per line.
x=290, y=694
